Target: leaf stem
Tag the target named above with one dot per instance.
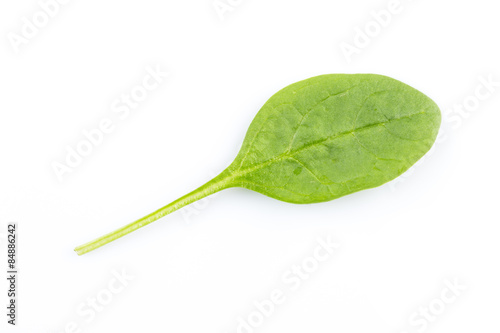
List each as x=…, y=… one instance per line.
x=217, y=184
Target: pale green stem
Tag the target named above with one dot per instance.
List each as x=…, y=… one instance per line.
x=215, y=185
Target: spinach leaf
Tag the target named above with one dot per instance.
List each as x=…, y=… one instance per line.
x=320, y=139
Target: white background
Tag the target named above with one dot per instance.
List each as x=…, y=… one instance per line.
x=200, y=270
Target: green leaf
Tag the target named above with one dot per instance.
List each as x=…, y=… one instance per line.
x=320, y=139
x=332, y=135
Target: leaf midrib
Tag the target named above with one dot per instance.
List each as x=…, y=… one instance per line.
x=292, y=153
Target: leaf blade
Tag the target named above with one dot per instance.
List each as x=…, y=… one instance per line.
x=329, y=136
